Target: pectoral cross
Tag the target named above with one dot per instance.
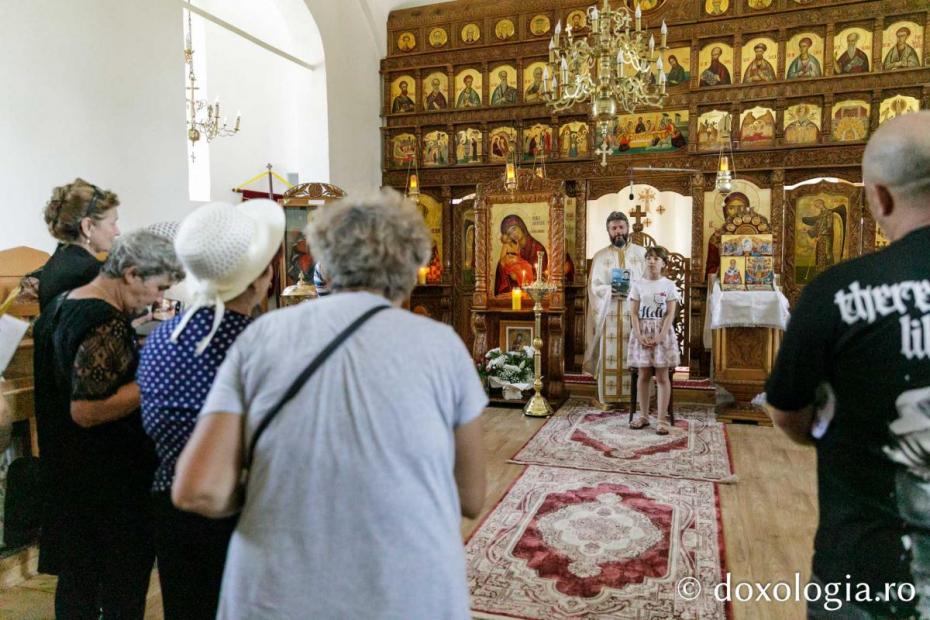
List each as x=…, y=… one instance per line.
x=603, y=151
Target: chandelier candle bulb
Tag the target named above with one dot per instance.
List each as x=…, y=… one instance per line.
x=516, y=299
x=238, y=118
x=639, y=18
x=558, y=30
x=664, y=31
x=652, y=45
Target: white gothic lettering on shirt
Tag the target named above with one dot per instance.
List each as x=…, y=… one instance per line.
x=869, y=303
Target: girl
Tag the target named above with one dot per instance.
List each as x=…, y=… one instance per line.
x=653, y=345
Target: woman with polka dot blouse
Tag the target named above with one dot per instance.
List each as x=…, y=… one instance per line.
x=226, y=252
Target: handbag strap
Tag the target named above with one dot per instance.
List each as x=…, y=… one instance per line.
x=304, y=376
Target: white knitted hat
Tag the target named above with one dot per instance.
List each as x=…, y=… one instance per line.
x=224, y=248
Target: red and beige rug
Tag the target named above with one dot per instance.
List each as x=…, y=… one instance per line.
x=565, y=543
x=583, y=437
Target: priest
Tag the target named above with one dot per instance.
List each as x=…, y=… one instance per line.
x=607, y=328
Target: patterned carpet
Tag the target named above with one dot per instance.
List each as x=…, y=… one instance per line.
x=583, y=437
x=565, y=543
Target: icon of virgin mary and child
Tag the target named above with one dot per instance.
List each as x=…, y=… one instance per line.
x=517, y=263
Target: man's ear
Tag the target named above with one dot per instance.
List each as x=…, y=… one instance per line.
x=881, y=199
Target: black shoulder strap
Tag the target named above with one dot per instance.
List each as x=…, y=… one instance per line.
x=304, y=376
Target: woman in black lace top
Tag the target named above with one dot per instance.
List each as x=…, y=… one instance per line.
x=82, y=217
x=97, y=462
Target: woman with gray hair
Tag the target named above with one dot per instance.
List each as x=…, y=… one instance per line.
x=360, y=467
x=97, y=462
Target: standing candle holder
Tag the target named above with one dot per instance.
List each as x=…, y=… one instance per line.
x=538, y=406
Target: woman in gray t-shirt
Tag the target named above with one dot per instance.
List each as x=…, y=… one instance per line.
x=357, y=486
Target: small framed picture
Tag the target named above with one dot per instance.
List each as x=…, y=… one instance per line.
x=514, y=335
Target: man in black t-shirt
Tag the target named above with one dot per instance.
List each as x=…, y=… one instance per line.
x=853, y=378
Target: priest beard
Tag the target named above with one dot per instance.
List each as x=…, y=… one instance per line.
x=620, y=240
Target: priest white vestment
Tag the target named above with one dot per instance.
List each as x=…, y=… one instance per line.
x=608, y=325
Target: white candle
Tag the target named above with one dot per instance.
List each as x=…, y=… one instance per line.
x=664, y=31
x=652, y=45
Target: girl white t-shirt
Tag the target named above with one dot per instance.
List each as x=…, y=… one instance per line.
x=653, y=296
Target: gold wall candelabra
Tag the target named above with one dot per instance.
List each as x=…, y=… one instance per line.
x=538, y=406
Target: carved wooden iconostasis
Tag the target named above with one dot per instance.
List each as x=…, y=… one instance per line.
x=796, y=86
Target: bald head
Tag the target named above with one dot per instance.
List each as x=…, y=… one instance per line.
x=896, y=174
x=898, y=155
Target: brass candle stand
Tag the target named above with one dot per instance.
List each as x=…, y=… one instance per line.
x=538, y=406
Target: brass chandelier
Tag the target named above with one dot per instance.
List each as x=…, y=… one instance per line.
x=212, y=125
x=614, y=66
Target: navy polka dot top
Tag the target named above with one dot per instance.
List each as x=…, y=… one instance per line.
x=174, y=382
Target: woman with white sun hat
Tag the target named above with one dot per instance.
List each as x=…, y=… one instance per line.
x=227, y=253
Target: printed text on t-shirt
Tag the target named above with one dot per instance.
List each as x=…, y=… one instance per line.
x=868, y=303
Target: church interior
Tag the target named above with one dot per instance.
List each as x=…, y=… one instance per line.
x=728, y=134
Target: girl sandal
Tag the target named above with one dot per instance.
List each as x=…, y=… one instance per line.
x=639, y=422
x=662, y=428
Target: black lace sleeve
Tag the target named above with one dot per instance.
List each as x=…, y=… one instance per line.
x=103, y=361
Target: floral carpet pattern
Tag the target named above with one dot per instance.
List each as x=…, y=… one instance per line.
x=565, y=543
x=583, y=437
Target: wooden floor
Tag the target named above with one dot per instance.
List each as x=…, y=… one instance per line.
x=769, y=516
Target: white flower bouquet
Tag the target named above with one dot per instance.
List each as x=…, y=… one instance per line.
x=510, y=370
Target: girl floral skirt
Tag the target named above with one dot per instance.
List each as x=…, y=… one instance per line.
x=664, y=354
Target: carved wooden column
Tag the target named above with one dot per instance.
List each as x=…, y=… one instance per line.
x=874, y=113
x=485, y=85
x=700, y=358
x=556, y=137
x=780, y=104
x=448, y=220
x=877, y=32
x=693, y=127
x=926, y=58
x=826, y=119
x=737, y=58
x=778, y=216
x=418, y=99
x=829, y=56
x=485, y=144
x=782, y=52
x=697, y=227
x=450, y=94
x=695, y=66
x=450, y=147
